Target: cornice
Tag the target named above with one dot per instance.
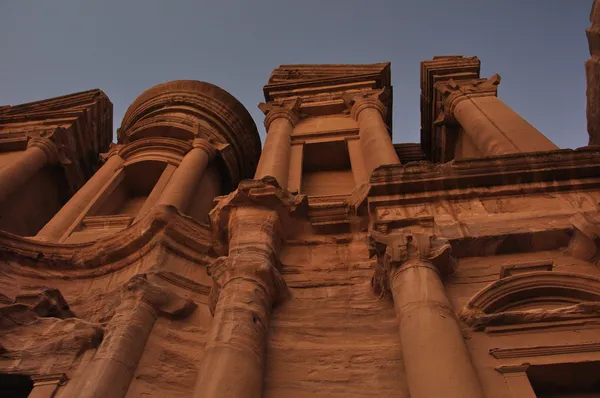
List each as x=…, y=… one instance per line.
x=163, y=226
x=492, y=171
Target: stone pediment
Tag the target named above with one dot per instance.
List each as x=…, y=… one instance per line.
x=534, y=297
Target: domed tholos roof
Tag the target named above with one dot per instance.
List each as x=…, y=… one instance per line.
x=184, y=109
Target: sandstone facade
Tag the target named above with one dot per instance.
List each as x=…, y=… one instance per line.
x=184, y=262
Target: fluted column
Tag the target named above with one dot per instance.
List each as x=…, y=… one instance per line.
x=247, y=284
x=435, y=355
x=71, y=211
x=275, y=158
x=40, y=152
x=592, y=72
x=111, y=370
x=182, y=184
x=493, y=127
x=375, y=141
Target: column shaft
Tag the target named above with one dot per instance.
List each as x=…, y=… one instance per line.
x=233, y=362
x=182, y=184
x=496, y=129
x=435, y=356
x=275, y=158
x=111, y=370
x=15, y=174
x=375, y=141
x=71, y=211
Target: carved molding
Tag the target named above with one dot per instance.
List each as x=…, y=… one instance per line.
x=396, y=251
x=552, y=166
x=161, y=226
x=160, y=149
x=575, y=295
x=537, y=351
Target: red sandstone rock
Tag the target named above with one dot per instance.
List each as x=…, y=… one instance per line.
x=463, y=266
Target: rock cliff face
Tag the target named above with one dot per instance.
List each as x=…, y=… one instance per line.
x=332, y=264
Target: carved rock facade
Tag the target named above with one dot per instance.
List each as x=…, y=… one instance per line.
x=183, y=262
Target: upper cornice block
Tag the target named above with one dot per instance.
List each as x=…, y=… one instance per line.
x=80, y=124
x=187, y=109
x=327, y=82
x=441, y=68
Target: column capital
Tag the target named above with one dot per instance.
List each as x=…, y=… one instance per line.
x=113, y=150
x=366, y=100
x=261, y=194
x=206, y=146
x=397, y=252
x=585, y=242
x=453, y=92
x=46, y=145
x=264, y=275
x=289, y=110
x=163, y=301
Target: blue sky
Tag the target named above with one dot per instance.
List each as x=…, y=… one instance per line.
x=51, y=48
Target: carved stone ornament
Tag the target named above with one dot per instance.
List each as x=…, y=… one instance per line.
x=289, y=110
x=586, y=236
x=360, y=101
x=259, y=193
x=510, y=301
x=267, y=277
x=40, y=325
x=453, y=92
x=395, y=250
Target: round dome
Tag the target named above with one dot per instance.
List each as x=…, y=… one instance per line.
x=183, y=109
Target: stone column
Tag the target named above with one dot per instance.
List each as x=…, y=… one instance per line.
x=111, y=370
x=592, y=72
x=246, y=286
x=494, y=128
x=40, y=152
x=71, y=211
x=275, y=158
x=375, y=141
x=435, y=355
x=182, y=184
